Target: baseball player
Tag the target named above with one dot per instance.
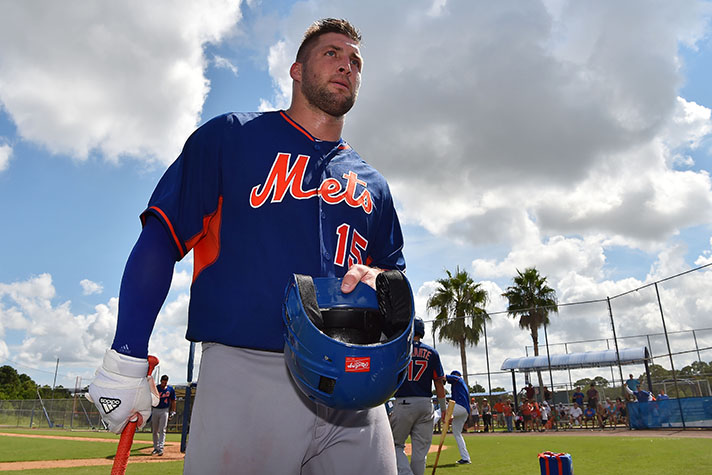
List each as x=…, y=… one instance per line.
x=413, y=408
x=160, y=414
x=259, y=197
x=461, y=396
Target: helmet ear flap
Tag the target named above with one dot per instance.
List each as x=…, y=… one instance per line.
x=395, y=302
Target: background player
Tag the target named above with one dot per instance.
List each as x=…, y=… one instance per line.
x=160, y=414
x=412, y=413
x=461, y=396
x=259, y=197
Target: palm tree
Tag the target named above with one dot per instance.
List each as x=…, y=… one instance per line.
x=532, y=301
x=461, y=316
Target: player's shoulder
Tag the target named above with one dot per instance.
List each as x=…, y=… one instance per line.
x=425, y=346
x=348, y=153
x=240, y=119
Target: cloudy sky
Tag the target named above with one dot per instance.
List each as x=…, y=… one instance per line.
x=575, y=137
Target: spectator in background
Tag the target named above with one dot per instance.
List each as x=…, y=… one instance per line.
x=519, y=419
x=461, y=396
x=602, y=415
x=576, y=415
x=592, y=395
x=475, y=415
x=578, y=396
x=563, y=416
x=487, y=415
x=545, y=412
x=621, y=411
x=536, y=415
x=589, y=414
x=508, y=415
x=499, y=412
x=547, y=395
x=530, y=392
x=612, y=412
x=527, y=415
x=662, y=396
x=632, y=383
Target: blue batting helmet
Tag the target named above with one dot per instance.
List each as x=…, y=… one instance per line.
x=418, y=327
x=348, y=351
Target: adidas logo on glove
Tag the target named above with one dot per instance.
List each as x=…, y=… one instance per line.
x=109, y=404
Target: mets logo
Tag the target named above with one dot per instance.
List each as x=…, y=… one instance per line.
x=358, y=365
x=282, y=179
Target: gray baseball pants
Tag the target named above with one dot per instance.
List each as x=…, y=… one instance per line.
x=412, y=416
x=459, y=417
x=250, y=418
x=159, y=422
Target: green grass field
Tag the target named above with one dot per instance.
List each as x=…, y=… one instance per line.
x=491, y=453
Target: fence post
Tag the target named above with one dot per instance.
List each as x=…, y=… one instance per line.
x=672, y=365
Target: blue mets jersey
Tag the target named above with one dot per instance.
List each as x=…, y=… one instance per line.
x=423, y=368
x=257, y=198
x=165, y=396
x=459, y=391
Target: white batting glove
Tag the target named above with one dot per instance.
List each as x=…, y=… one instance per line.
x=121, y=389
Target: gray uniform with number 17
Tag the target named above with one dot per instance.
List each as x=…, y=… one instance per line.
x=413, y=409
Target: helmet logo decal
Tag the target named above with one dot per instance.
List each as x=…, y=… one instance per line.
x=358, y=364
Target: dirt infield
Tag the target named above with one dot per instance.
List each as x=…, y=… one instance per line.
x=171, y=452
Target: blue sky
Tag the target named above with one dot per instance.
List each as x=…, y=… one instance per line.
x=574, y=137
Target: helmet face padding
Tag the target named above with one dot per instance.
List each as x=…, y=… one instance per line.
x=358, y=325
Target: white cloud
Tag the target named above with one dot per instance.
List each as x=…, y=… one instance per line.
x=224, y=63
x=52, y=330
x=5, y=155
x=279, y=60
x=512, y=121
x=119, y=79
x=89, y=287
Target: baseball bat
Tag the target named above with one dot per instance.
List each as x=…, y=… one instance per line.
x=446, y=425
x=121, y=459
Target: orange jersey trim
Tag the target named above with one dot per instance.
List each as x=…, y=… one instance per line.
x=296, y=126
x=206, y=244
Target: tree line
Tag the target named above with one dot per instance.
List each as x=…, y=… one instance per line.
x=14, y=385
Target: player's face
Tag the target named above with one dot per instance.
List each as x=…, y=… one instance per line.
x=331, y=74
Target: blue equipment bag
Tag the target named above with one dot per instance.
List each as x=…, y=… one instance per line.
x=556, y=464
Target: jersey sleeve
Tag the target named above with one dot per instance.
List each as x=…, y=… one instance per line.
x=437, y=366
x=187, y=197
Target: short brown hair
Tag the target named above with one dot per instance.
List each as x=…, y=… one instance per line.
x=323, y=26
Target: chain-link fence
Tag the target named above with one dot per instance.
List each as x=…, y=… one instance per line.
x=76, y=414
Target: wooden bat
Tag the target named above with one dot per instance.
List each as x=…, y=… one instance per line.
x=121, y=459
x=446, y=425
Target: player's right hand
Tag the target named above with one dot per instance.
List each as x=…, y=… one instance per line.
x=121, y=389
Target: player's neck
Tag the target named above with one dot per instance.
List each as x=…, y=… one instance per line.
x=317, y=122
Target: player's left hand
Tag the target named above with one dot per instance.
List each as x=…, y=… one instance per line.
x=359, y=273
x=171, y=414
